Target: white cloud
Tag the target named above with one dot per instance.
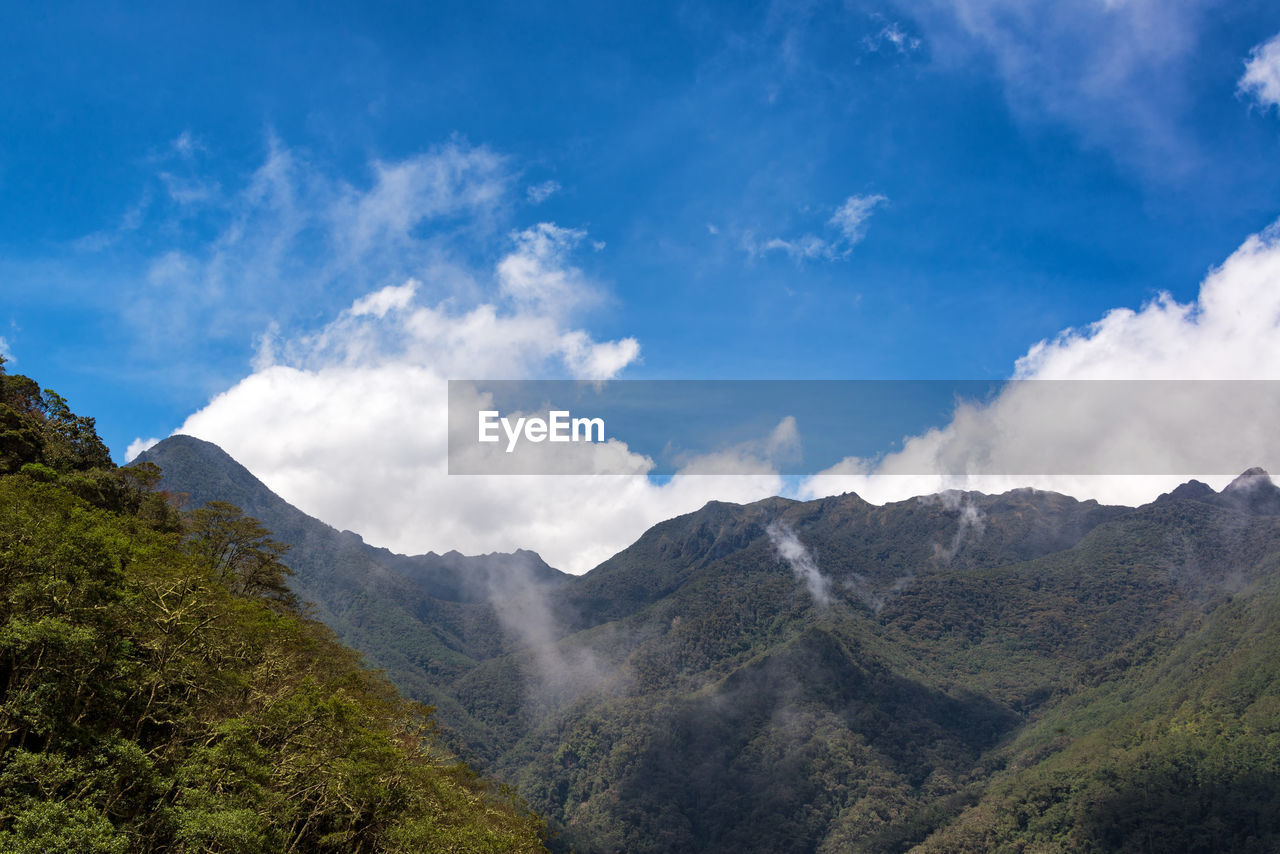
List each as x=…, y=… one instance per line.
x=187, y=190
x=761, y=457
x=537, y=276
x=350, y=423
x=390, y=298
x=596, y=361
x=450, y=180
x=186, y=145
x=5, y=350
x=130, y=221
x=137, y=446
x=1261, y=78
x=1228, y=333
x=790, y=549
x=347, y=419
x=539, y=193
x=421, y=276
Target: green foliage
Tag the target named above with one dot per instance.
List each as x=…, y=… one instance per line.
x=38, y=426
x=44, y=440
x=240, y=550
x=62, y=825
x=1178, y=751
x=160, y=693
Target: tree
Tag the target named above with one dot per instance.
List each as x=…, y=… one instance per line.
x=240, y=550
x=39, y=427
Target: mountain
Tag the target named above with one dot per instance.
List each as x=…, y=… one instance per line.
x=959, y=672
x=204, y=472
x=424, y=619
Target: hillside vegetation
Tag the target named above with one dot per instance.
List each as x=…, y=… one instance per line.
x=159, y=691
x=958, y=673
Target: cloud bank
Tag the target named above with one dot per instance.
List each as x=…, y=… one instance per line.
x=353, y=430
x=1228, y=333
x=350, y=423
x=348, y=420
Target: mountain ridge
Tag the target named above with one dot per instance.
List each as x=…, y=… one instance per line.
x=415, y=616
x=833, y=675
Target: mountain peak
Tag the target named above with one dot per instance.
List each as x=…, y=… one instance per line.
x=205, y=471
x=182, y=440
x=1249, y=480
x=1253, y=492
x=1192, y=490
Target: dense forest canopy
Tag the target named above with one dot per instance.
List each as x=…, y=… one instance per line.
x=159, y=690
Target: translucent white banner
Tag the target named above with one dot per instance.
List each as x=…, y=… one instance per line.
x=965, y=427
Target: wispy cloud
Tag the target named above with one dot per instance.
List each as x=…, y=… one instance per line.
x=186, y=144
x=560, y=673
x=969, y=519
x=791, y=550
x=806, y=247
x=1227, y=333
x=845, y=229
x=1115, y=72
x=537, y=273
x=851, y=217
x=539, y=193
x=894, y=37
x=224, y=262
x=129, y=222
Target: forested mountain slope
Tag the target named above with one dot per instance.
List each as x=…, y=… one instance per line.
x=957, y=672
x=425, y=619
x=159, y=691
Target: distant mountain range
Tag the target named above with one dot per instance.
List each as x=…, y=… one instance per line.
x=958, y=672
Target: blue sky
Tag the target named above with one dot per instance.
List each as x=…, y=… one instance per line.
x=181, y=182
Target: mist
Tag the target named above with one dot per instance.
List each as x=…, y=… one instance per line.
x=524, y=610
x=790, y=549
x=971, y=521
